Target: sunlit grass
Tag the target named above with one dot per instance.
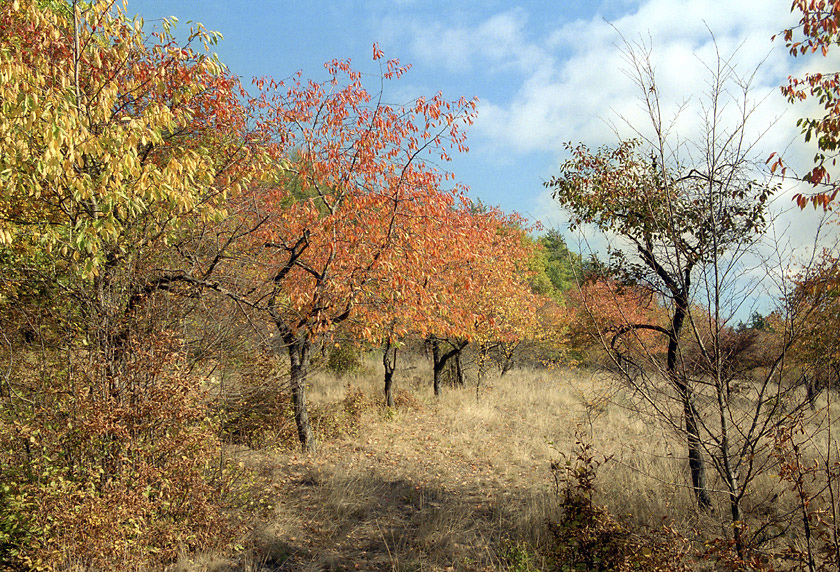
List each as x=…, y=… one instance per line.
x=450, y=481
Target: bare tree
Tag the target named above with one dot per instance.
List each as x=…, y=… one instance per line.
x=688, y=216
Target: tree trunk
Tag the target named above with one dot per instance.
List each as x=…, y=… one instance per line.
x=389, y=360
x=437, y=365
x=440, y=359
x=456, y=372
x=299, y=354
x=508, y=351
x=696, y=463
x=811, y=391
x=483, y=357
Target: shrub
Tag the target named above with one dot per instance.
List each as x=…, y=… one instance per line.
x=254, y=409
x=517, y=557
x=586, y=537
x=344, y=359
x=110, y=467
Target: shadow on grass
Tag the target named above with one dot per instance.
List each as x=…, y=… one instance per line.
x=360, y=519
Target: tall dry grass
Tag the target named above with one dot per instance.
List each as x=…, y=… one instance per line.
x=454, y=482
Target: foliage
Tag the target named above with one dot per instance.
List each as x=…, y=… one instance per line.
x=641, y=199
x=816, y=300
x=345, y=358
x=816, y=33
x=585, y=536
x=601, y=311
x=518, y=557
x=684, y=215
x=349, y=205
x=812, y=475
x=557, y=269
x=110, y=480
x=117, y=150
x=114, y=146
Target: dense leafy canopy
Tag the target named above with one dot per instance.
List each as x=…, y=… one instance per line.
x=112, y=145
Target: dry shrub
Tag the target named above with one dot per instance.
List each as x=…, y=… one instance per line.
x=587, y=537
x=335, y=420
x=406, y=400
x=262, y=416
x=253, y=408
x=109, y=466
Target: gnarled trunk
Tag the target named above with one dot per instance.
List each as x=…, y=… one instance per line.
x=696, y=463
x=440, y=359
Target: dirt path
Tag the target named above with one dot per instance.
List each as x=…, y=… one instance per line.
x=399, y=496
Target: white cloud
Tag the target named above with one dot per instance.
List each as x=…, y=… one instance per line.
x=579, y=86
x=497, y=42
x=580, y=90
x=571, y=84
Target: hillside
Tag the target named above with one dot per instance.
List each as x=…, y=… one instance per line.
x=460, y=483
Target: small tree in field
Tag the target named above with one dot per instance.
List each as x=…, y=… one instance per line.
x=684, y=217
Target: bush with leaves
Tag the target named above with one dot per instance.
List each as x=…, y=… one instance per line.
x=586, y=537
x=110, y=471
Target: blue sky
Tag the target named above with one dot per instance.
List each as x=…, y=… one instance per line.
x=545, y=72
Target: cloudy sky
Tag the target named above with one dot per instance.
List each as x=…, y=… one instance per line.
x=545, y=72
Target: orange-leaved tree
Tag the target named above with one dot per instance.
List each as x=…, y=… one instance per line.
x=504, y=303
x=478, y=288
x=356, y=187
x=602, y=311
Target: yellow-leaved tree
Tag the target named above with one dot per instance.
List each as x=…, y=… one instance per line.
x=118, y=148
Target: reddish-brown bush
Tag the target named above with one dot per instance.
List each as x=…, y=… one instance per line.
x=110, y=470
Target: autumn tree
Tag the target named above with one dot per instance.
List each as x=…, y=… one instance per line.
x=355, y=188
x=817, y=33
x=817, y=351
x=509, y=305
x=117, y=150
x=683, y=221
x=600, y=309
x=482, y=295
x=471, y=284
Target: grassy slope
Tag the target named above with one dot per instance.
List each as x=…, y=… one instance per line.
x=446, y=484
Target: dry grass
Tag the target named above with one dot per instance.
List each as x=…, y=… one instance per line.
x=446, y=484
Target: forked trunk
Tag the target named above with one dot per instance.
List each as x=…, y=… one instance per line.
x=440, y=359
x=508, y=352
